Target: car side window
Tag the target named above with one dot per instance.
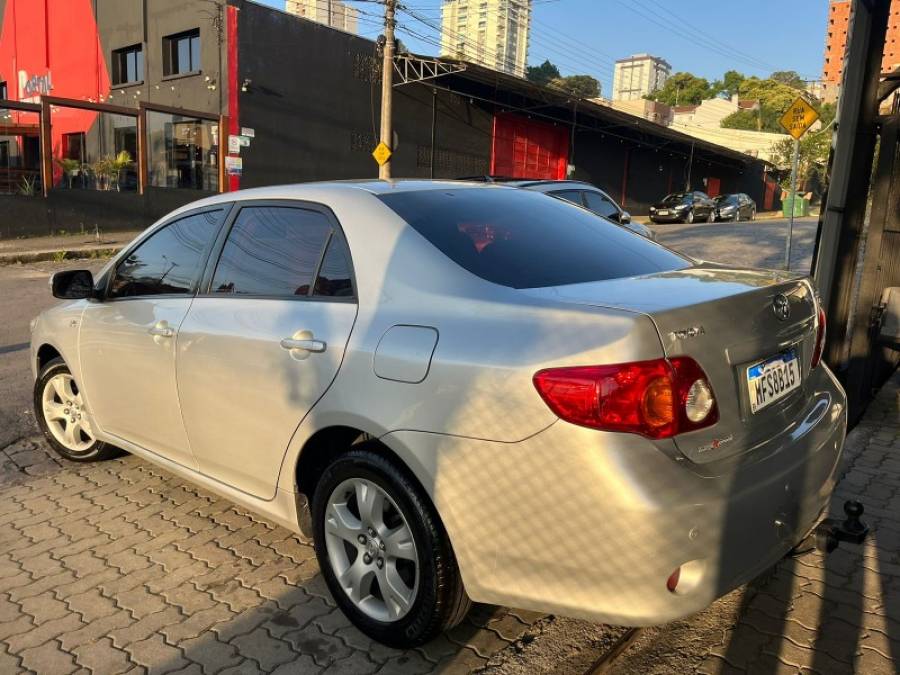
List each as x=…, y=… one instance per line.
x=573, y=196
x=272, y=251
x=601, y=205
x=334, y=278
x=170, y=260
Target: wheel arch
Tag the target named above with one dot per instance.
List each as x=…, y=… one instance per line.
x=331, y=441
x=46, y=353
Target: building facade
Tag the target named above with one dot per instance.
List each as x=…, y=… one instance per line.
x=636, y=76
x=710, y=112
x=334, y=13
x=836, y=44
x=491, y=33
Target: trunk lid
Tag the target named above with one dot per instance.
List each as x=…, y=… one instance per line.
x=724, y=319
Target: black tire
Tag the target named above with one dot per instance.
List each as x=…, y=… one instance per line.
x=440, y=601
x=97, y=451
x=689, y=216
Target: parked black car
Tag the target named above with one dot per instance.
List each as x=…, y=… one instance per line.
x=684, y=207
x=738, y=206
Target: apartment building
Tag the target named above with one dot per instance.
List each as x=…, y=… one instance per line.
x=334, y=13
x=491, y=33
x=638, y=75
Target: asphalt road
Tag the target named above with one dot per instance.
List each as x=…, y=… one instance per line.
x=758, y=243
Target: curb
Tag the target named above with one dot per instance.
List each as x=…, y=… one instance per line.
x=92, y=252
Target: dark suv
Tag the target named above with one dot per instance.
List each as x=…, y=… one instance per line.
x=684, y=207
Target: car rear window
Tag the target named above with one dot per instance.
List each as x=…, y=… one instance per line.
x=524, y=239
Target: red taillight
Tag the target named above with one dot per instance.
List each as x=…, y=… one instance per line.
x=820, y=339
x=645, y=397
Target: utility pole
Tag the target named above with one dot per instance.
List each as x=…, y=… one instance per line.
x=687, y=186
x=793, y=193
x=387, y=85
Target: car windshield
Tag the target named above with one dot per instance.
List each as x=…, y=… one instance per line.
x=726, y=199
x=677, y=198
x=522, y=239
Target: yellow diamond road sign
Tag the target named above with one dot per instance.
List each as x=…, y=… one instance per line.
x=799, y=118
x=382, y=153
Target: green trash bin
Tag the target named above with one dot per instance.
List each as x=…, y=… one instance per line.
x=800, y=204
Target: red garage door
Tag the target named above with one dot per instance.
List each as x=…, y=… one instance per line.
x=524, y=148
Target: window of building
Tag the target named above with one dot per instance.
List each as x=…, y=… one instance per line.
x=272, y=251
x=73, y=146
x=181, y=53
x=3, y=93
x=128, y=65
x=169, y=261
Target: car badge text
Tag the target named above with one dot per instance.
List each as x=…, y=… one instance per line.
x=686, y=333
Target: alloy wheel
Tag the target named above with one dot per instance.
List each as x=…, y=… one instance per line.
x=371, y=549
x=63, y=409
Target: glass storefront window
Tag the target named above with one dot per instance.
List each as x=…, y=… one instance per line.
x=93, y=150
x=20, y=152
x=183, y=152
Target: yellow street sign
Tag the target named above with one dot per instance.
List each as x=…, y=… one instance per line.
x=382, y=153
x=799, y=118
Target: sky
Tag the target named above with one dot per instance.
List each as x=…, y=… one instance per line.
x=704, y=37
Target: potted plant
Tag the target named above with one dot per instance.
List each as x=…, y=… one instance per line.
x=70, y=169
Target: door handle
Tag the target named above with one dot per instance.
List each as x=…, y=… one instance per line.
x=161, y=330
x=308, y=345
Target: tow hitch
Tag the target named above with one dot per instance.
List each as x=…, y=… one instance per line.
x=831, y=532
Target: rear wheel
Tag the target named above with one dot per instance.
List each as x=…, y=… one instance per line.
x=752, y=214
x=384, y=553
x=61, y=415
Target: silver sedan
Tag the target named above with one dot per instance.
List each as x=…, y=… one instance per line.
x=461, y=392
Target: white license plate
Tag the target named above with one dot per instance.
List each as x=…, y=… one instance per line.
x=773, y=379
x=664, y=212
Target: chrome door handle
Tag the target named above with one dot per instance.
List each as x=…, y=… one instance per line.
x=162, y=331
x=309, y=345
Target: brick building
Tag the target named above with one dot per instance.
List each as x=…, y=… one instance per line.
x=836, y=43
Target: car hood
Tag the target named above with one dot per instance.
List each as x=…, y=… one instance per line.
x=668, y=205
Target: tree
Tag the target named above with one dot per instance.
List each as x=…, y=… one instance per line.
x=731, y=82
x=582, y=86
x=543, y=73
x=789, y=77
x=682, y=89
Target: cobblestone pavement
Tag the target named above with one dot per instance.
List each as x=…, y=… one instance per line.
x=122, y=567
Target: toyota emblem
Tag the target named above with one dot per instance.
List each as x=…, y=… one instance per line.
x=782, y=307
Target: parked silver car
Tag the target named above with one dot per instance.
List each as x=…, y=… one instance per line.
x=456, y=397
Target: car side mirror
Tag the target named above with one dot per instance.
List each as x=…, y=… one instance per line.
x=72, y=284
x=624, y=218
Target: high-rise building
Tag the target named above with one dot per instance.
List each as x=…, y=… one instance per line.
x=639, y=75
x=491, y=33
x=836, y=43
x=332, y=13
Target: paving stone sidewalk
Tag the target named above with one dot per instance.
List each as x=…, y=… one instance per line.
x=121, y=567
x=838, y=613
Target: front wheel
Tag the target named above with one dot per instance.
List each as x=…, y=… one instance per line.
x=384, y=553
x=61, y=415
x=689, y=217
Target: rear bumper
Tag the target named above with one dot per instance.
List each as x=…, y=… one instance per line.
x=588, y=524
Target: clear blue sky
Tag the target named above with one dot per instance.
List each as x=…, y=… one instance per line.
x=705, y=37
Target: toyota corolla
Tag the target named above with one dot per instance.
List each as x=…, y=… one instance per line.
x=460, y=392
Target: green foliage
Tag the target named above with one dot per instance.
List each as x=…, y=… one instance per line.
x=28, y=186
x=683, y=89
x=813, y=157
x=788, y=77
x=543, y=73
x=582, y=86
x=731, y=83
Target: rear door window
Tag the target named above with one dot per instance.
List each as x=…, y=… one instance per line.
x=521, y=239
x=272, y=251
x=573, y=196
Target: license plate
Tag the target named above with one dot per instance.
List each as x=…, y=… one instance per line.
x=664, y=212
x=773, y=379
